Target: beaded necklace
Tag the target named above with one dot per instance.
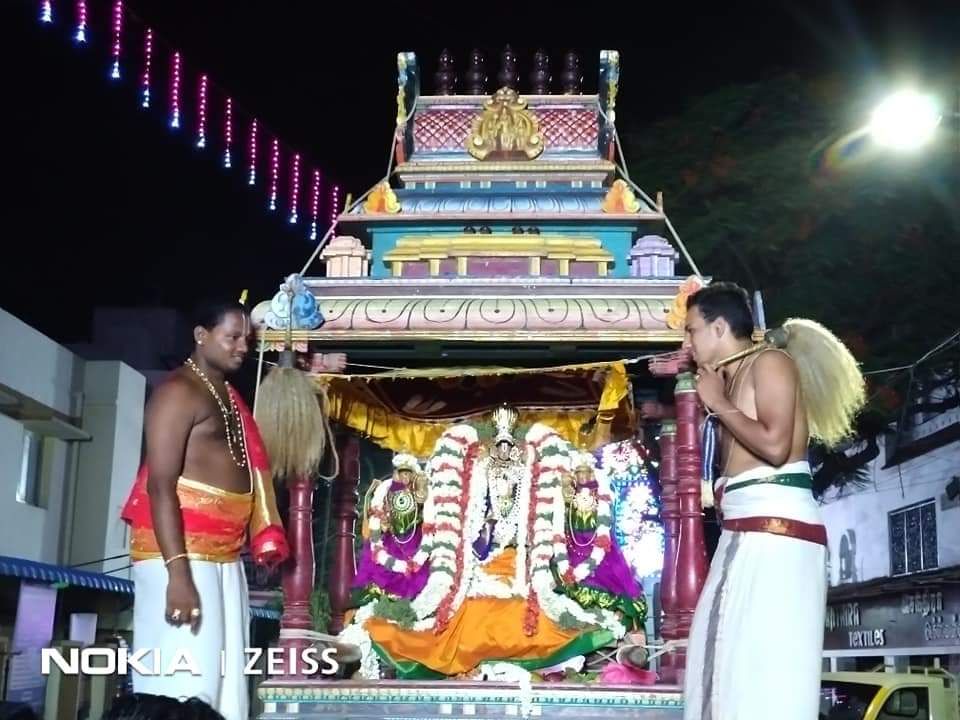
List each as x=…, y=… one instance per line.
x=233, y=429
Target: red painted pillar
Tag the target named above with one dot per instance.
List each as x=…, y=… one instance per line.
x=298, y=572
x=670, y=502
x=345, y=499
x=691, y=567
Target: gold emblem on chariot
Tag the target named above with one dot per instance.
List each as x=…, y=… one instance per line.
x=505, y=130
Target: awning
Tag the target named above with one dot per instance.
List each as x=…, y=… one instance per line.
x=44, y=572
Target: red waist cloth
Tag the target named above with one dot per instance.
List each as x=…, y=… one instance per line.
x=216, y=522
x=779, y=526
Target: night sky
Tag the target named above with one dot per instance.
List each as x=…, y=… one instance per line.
x=105, y=205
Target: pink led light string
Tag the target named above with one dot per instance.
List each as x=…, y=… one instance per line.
x=253, y=152
x=81, y=34
x=202, y=113
x=147, y=63
x=228, y=133
x=117, y=38
x=314, y=204
x=274, y=173
x=175, y=91
x=295, y=189
x=207, y=92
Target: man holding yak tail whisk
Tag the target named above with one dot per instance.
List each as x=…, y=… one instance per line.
x=766, y=403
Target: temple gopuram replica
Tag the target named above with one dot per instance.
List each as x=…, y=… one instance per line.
x=520, y=315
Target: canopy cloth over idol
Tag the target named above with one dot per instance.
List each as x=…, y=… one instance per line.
x=407, y=410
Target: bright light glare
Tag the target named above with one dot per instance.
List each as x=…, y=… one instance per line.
x=905, y=120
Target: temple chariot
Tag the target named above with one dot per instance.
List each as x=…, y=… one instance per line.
x=514, y=305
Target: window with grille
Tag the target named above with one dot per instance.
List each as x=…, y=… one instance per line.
x=913, y=538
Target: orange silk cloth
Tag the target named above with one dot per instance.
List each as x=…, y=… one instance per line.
x=215, y=521
x=482, y=629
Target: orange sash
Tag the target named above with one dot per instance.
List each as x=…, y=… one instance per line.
x=215, y=521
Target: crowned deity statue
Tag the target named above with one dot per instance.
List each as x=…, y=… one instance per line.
x=503, y=467
x=392, y=563
x=489, y=581
x=595, y=572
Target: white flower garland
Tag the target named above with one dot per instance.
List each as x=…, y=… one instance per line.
x=446, y=507
x=452, y=523
x=549, y=495
x=355, y=634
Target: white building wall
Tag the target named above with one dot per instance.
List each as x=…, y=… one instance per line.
x=113, y=414
x=862, y=514
x=34, y=366
x=40, y=379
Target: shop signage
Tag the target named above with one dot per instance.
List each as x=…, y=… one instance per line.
x=921, y=618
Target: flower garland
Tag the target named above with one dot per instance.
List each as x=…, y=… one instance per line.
x=602, y=539
x=355, y=634
x=378, y=549
x=531, y=617
x=463, y=567
x=446, y=508
x=552, y=460
x=453, y=516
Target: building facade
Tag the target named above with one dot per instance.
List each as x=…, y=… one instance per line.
x=70, y=443
x=894, y=539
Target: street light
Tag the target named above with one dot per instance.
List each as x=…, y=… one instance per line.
x=905, y=121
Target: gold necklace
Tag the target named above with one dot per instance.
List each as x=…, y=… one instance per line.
x=233, y=430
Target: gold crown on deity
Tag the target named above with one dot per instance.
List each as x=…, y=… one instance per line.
x=505, y=420
x=406, y=461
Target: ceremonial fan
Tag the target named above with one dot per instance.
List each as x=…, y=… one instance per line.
x=831, y=383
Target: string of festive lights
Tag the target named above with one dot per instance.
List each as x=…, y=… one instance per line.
x=206, y=91
x=295, y=189
x=314, y=204
x=202, y=113
x=147, y=62
x=334, y=204
x=274, y=172
x=253, y=152
x=117, y=36
x=81, y=35
x=227, y=132
x=175, y=91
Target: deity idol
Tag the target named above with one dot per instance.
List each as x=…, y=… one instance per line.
x=392, y=563
x=591, y=568
x=492, y=530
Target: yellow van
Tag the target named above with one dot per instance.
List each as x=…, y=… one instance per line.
x=918, y=694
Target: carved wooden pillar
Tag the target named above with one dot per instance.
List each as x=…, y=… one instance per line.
x=298, y=572
x=691, y=567
x=670, y=501
x=345, y=498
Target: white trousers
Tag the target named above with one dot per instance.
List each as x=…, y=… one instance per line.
x=756, y=642
x=217, y=649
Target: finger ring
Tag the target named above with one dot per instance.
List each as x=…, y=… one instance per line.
x=175, y=615
x=195, y=613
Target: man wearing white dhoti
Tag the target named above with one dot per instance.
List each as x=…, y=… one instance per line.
x=756, y=640
x=204, y=489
